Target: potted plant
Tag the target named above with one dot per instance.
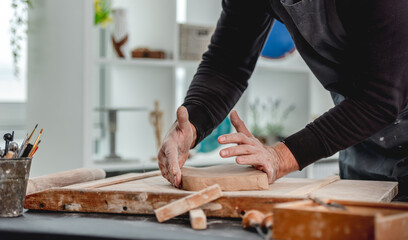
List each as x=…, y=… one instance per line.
x=257, y=116
x=276, y=120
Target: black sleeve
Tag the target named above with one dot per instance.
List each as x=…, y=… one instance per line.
x=222, y=75
x=381, y=80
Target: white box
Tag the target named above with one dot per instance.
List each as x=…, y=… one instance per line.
x=194, y=40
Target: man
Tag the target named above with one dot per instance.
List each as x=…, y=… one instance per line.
x=358, y=51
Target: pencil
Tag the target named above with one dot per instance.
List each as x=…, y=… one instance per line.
x=35, y=143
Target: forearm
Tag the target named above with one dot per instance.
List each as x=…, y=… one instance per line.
x=229, y=62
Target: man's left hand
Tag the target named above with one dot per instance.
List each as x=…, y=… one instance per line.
x=276, y=161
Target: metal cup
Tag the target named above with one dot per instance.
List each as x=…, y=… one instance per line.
x=14, y=174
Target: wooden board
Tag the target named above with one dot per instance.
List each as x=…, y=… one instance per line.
x=144, y=195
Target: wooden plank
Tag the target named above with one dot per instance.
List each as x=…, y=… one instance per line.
x=310, y=188
x=116, y=180
x=188, y=203
x=198, y=220
x=365, y=191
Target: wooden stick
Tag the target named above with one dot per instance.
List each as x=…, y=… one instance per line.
x=198, y=220
x=188, y=203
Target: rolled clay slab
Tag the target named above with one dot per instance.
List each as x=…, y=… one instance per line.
x=230, y=177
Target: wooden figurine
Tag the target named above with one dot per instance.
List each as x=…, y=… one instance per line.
x=120, y=32
x=156, y=119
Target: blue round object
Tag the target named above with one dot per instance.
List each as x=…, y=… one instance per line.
x=279, y=42
x=210, y=143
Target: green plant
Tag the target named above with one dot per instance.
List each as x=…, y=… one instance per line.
x=102, y=12
x=18, y=30
x=257, y=111
x=277, y=117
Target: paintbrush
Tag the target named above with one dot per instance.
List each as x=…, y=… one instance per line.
x=29, y=138
x=35, y=143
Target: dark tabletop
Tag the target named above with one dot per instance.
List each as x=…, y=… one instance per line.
x=56, y=225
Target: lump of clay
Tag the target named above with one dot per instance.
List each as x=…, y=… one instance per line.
x=230, y=177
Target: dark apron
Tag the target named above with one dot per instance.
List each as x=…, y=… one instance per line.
x=384, y=156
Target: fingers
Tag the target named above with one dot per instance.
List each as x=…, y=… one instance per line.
x=237, y=151
x=239, y=124
x=163, y=165
x=182, y=118
x=253, y=160
x=173, y=165
x=168, y=164
x=238, y=138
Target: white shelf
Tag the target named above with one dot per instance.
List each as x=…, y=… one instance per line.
x=292, y=63
x=136, y=62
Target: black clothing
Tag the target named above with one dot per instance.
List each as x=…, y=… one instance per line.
x=356, y=49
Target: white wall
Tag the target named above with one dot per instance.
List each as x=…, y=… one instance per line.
x=55, y=83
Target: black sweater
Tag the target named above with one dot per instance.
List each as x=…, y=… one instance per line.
x=357, y=48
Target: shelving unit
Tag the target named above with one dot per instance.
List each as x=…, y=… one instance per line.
x=138, y=82
x=291, y=63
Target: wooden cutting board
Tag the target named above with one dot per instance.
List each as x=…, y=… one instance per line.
x=129, y=194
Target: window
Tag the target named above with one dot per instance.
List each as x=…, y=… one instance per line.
x=12, y=88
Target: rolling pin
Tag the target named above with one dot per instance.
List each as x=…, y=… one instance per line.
x=63, y=179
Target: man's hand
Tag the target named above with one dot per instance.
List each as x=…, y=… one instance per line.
x=276, y=161
x=175, y=148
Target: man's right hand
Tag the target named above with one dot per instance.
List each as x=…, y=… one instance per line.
x=176, y=146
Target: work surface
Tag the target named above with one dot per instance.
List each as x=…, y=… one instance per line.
x=140, y=194
x=129, y=195
x=52, y=225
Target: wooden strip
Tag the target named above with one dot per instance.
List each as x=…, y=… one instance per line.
x=116, y=180
x=310, y=188
x=188, y=203
x=198, y=220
